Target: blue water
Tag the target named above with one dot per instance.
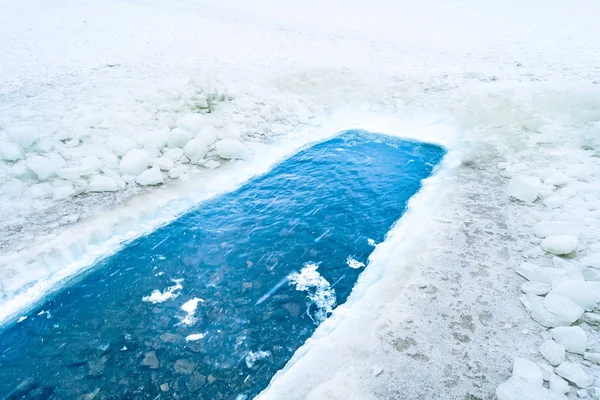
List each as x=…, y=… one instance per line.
x=322, y=206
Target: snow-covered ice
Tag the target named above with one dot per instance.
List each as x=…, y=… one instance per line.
x=510, y=94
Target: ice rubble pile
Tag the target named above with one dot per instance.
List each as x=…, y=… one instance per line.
x=58, y=165
x=564, y=298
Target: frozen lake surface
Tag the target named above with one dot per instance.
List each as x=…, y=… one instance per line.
x=213, y=304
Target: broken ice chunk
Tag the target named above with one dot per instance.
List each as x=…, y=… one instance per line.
x=524, y=188
x=553, y=352
x=573, y=338
x=551, y=228
x=563, y=307
x=585, y=294
x=574, y=372
x=536, y=288
x=560, y=244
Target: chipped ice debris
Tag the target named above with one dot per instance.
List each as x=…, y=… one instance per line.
x=253, y=357
x=122, y=146
x=212, y=164
x=195, y=336
x=524, y=188
x=22, y=135
x=525, y=383
x=545, y=229
x=592, y=260
x=592, y=357
x=102, y=183
x=195, y=150
x=150, y=177
x=355, y=264
x=585, y=294
x=134, y=162
x=46, y=313
x=21, y=319
x=553, y=352
x=190, y=309
x=536, y=288
x=191, y=122
x=178, y=137
x=231, y=149
x=376, y=370
x=45, y=167
x=10, y=152
x=558, y=384
x=574, y=373
x=573, y=338
x=563, y=307
x=170, y=293
x=534, y=273
x=319, y=291
x=560, y=244
x=547, y=371
x=371, y=242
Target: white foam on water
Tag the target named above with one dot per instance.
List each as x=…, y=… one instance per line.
x=355, y=264
x=190, y=308
x=253, y=356
x=319, y=291
x=169, y=293
x=195, y=336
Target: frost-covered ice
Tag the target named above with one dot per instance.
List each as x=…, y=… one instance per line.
x=168, y=294
x=522, y=103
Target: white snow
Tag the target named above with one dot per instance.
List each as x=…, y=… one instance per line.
x=573, y=338
x=231, y=149
x=560, y=244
